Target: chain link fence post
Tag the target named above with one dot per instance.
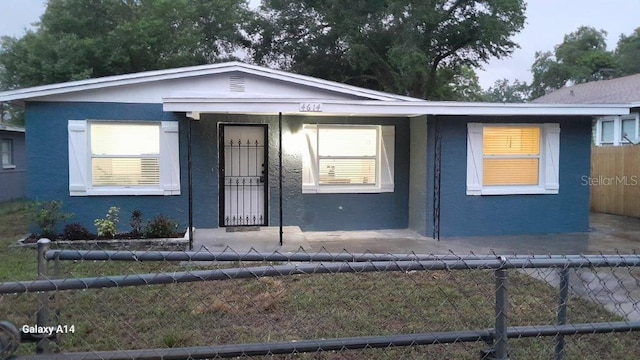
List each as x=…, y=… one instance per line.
x=501, y=343
x=42, y=316
x=563, y=298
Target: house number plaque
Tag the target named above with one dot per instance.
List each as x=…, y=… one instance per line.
x=310, y=107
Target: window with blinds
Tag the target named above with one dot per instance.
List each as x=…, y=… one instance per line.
x=347, y=155
x=125, y=154
x=510, y=155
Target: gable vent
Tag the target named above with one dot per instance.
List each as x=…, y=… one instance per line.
x=236, y=83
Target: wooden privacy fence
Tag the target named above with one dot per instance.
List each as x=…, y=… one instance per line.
x=615, y=180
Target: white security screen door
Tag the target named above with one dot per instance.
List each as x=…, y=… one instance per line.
x=243, y=175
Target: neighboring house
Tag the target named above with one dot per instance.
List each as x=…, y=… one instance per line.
x=14, y=168
x=607, y=130
x=351, y=158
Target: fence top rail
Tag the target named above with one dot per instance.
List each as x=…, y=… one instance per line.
x=229, y=255
x=309, y=269
x=336, y=344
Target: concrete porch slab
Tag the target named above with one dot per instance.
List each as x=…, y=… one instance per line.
x=609, y=234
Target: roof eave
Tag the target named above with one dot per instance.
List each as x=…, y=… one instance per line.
x=397, y=108
x=211, y=69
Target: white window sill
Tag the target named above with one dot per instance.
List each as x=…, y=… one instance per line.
x=512, y=190
x=8, y=167
x=124, y=191
x=327, y=189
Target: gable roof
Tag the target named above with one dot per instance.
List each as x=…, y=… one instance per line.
x=235, y=87
x=197, y=71
x=614, y=91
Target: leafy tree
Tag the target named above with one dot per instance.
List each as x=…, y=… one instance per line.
x=79, y=39
x=627, y=53
x=581, y=57
x=410, y=47
x=504, y=91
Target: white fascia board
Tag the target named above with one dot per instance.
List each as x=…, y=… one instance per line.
x=193, y=71
x=12, y=128
x=398, y=108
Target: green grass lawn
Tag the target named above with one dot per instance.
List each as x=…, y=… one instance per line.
x=295, y=308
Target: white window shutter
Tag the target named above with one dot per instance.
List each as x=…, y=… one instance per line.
x=310, y=159
x=387, y=157
x=552, y=156
x=474, y=159
x=170, y=158
x=79, y=180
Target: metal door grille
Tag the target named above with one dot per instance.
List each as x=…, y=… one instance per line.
x=243, y=178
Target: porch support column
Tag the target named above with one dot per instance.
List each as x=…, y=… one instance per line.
x=280, y=169
x=190, y=117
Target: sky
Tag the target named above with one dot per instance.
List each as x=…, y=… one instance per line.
x=547, y=23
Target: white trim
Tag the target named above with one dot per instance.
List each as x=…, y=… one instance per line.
x=548, y=172
x=12, y=128
x=243, y=105
x=194, y=71
x=109, y=191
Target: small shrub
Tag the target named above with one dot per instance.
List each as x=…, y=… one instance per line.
x=75, y=231
x=108, y=226
x=136, y=222
x=47, y=215
x=160, y=227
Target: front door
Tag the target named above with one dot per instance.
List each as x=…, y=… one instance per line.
x=243, y=175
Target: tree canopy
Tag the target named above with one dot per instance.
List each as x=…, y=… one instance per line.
x=409, y=47
x=581, y=57
x=627, y=53
x=79, y=39
x=423, y=48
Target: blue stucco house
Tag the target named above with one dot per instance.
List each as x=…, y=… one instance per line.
x=253, y=146
x=13, y=169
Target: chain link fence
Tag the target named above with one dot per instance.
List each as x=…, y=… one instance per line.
x=95, y=304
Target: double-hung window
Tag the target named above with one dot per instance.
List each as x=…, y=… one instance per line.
x=348, y=158
x=125, y=155
x=123, y=158
x=7, y=154
x=507, y=159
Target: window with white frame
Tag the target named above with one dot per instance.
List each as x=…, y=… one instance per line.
x=348, y=158
x=608, y=132
x=617, y=130
x=628, y=128
x=7, y=154
x=505, y=159
x=123, y=158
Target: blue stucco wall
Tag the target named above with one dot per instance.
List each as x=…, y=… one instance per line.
x=314, y=212
x=354, y=211
x=47, y=156
x=47, y=161
x=463, y=215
